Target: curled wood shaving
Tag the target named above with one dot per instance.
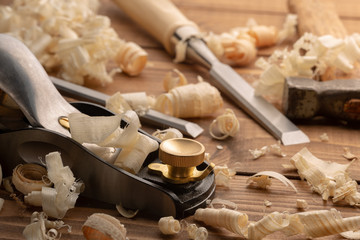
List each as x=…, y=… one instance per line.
x=169, y=225
x=71, y=39
x=194, y=232
x=103, y=226
x=351, y=235
x=117, y=104
x=235, y=50
x=329, y=179
x=29, y=177
x=170, y=81
x=137, y=101
x=227, y=123
x=223, y=174
x=43, y=229
x=263, y=179
x=106, y=132
x=109, y=154
x=58, y=200
x=238, y=47
x=231, y=220
x=167, y=134
x=348, y=155
x=312, y=224
x=191, y=100
x=128, y=213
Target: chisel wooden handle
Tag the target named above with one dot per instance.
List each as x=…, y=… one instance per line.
x=305, y=98
x=160, y=18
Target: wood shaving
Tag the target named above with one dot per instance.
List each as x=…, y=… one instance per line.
x=58, y=200
x=219, y=147
x=108, y=154
x=191, y=100
x=29, y=177
x=301, y=203
x=106, y=132
x=223, y=174
x=267, y=203
x=167, y=134
x=312, y=224
x=351, y=235
x=329, y=179
x=137, y=101
x=311, y=57
x=238, y=47
x=222, y=203
x=169, y=225
x=324, y=137
x=273, y=148
x=194, y=232
x=170, y=81
x=263, y=179
x=72, y=37
x=128, y=213
x=348, y=155
x=234, y=50
x=227, y=124
x=103, y=226
x=257, y=153
x=41, y=228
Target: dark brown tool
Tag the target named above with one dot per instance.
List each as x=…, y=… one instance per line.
x=305, y=98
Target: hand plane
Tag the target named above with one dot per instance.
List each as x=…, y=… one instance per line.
x=25, y=81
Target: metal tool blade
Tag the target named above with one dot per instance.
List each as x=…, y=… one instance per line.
x=243, y=95
x=152, y=117
x=229, y=82
x=24, y=79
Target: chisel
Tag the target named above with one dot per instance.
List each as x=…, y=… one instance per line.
x=151, y=117
x=179, y=35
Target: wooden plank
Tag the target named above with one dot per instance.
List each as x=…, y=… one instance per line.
x=248, y=198
x=217, y=16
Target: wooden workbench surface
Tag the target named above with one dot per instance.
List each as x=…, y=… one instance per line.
x=217, y=16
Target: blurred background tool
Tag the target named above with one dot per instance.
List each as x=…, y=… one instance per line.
x=305, y=98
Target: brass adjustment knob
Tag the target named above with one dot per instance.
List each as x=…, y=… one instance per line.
x=181, y=152
x=180, y=157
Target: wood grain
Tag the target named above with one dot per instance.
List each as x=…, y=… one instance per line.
x=217, y=16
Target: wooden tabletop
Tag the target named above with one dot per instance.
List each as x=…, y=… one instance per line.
x=217, y=16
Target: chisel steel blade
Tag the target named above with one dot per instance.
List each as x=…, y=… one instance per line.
x=234, y=86
x=152, y=117
x=242, y=94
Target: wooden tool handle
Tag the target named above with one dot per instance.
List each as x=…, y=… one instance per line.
x=318, y=17
x=159, y=17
